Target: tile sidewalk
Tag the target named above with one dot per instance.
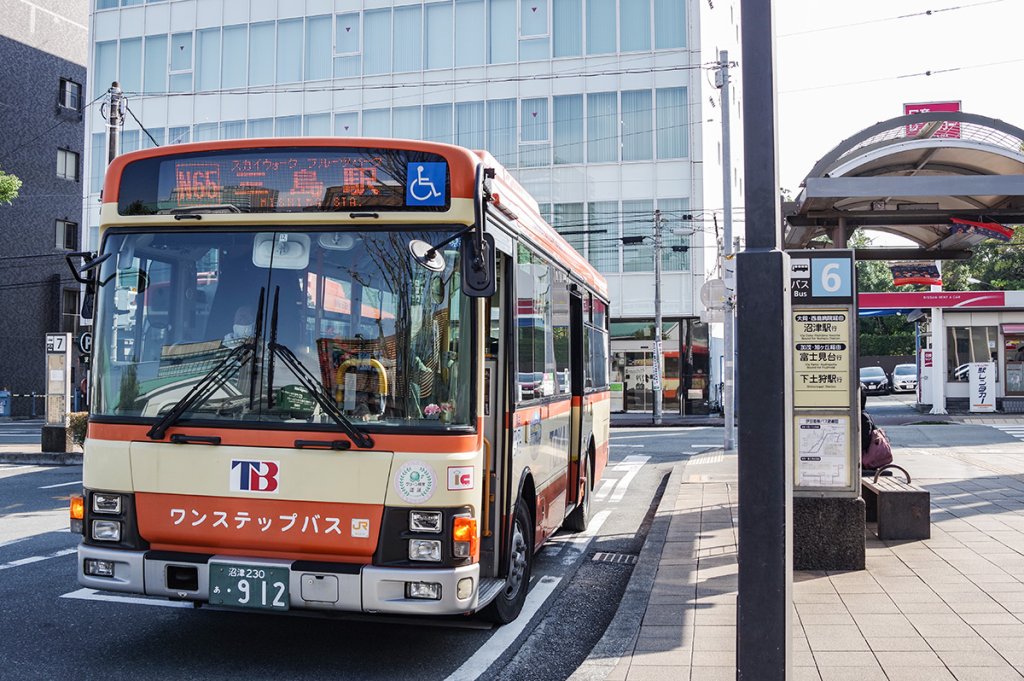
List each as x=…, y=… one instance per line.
x=948, y=608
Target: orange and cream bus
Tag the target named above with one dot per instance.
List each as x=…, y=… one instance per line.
x=335, y=374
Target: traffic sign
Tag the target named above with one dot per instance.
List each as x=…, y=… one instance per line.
x=85, y=343
x=821, y=277
x=57, y=342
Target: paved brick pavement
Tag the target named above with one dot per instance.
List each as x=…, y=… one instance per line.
x=943, y=609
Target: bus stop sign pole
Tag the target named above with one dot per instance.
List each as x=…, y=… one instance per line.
x=764, y=604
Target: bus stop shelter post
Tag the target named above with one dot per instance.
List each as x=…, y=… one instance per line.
x=764, y=604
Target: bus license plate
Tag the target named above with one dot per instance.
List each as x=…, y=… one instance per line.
x=249, y=586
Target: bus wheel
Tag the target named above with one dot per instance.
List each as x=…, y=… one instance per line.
x=579, y=517
x=509, y=603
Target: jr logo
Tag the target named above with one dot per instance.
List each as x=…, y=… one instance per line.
x=254, y=476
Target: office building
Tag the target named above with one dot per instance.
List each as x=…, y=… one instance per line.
x=601, y=108
x=43, y=48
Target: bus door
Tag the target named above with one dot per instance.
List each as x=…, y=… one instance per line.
x=495, y=409
x=577, y=420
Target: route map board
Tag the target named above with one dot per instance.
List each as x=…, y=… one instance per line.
x=822, y=451
x=821, y=358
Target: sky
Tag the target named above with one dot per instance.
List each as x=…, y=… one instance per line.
x=833, y=83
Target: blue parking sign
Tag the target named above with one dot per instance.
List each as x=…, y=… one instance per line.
x=425, y=184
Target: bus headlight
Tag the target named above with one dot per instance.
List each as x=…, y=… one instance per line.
x=426, y=590
x=425, y=549
x=106, y=503
x=425, y=521
x=106, y=530
x=99, y=568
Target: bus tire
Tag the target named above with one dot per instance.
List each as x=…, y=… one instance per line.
x=509, y=603
x=578, y=518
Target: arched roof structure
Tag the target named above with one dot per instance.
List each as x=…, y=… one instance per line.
x=913, y=176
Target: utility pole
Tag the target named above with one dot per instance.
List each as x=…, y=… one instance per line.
x=656, y=376
x=729, y=368
x=764, y=607
x=114, y=119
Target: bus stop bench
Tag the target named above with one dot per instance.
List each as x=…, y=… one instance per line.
x=901, y=509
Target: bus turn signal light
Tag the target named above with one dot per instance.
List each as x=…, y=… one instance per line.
x=464, y=537
x=77, y=508
x=77, y=511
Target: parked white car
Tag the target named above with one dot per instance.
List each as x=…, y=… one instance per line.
x=904, y=378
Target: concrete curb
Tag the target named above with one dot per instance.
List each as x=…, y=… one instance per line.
x=620, y=636
x=42, y=458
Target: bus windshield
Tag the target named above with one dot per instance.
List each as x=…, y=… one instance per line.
x=276, y=316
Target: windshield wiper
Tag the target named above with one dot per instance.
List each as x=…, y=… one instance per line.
x=212, y=382
x=207, y=386
x=258, y=339
x=272, y=343
x=308, y=381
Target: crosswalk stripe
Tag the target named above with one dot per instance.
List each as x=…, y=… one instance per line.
x=1013, y=431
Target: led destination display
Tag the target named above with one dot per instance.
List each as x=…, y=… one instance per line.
x=286, y=181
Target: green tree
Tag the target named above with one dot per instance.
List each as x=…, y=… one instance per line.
x=890, y=334
x=9, y=186
x=994, y=265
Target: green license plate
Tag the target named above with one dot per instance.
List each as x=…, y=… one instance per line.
x=249, y=586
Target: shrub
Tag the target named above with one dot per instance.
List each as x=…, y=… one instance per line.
x=78, y=423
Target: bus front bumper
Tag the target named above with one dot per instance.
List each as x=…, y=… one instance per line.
x=349, y=588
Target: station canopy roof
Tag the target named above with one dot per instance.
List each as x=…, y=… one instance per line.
x=944, y=180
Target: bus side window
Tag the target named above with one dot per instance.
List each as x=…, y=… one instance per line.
x=588, y=370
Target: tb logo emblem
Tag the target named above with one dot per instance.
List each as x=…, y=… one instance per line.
x=254, y=476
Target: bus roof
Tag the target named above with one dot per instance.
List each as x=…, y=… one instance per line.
x=516, y=204
x=516, y=201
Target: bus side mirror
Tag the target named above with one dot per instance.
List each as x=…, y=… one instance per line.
x=478, y=280
x=86, y=275
x=88, y=300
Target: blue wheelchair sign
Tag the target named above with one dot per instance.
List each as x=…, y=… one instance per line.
x=425, y=184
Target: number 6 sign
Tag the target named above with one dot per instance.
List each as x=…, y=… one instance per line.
x=831, y=278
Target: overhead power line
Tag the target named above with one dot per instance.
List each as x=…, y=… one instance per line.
x=62, y=121
x=362, y=87
x=141, y=126
x=880, y=20
x=931, y=72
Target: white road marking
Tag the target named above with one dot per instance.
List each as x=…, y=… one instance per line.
x=706, y=458
x=616, y=444
x=616, y=438
x=616, y=487
x=605, y=489
x=578, y=542
x=496, y=645
x=20, y=470
x=36, y=559
x=705, y=446
x=62, y=484
x=93, y=595
x=631, y=465
x=1012, y=430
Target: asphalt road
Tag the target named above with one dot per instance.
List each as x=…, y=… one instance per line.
x=21, y=432
x=56, y=629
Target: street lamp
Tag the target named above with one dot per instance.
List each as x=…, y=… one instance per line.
x=972, y=280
